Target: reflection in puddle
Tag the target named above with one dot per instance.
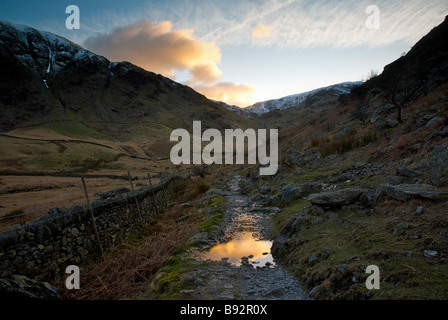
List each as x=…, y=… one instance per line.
x=242, y=245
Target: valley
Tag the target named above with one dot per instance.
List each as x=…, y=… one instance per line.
x=362, y=178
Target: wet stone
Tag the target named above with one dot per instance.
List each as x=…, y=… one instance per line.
x=233, y=273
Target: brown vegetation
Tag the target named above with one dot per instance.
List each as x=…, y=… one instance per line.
x=347, y=143
x=126, y=271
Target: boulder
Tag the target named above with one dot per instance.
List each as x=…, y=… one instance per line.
x=430, y=253
x=438, y=166
x=22, y=287
x=289, y=191
x=293, y=158
x=312, y=187
x=404, y=192
x=419, y=210
x=393, y=180
x=401, y=171
x=337, y=198
x=291, y=227
x=400, y=227
x=433, y=121
x=444, y=132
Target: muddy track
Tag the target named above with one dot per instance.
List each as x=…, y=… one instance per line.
x=239, y=264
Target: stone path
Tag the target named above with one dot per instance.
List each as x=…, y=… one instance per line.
x=250, y=277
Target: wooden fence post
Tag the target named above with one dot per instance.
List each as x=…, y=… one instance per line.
x=100, y=247
x=162, y=179
x=153, y=195
x=136, y=200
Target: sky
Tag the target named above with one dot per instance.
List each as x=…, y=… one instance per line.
x=242, y=51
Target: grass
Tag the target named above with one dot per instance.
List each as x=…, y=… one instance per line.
x=150, y=265
x=356, y=240
x=14, y=213
x=280, y=218
x=169, y=282
x=216, y=215
x=348, y=142
x=73, y=129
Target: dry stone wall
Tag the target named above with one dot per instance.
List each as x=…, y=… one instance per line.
x=43, y=248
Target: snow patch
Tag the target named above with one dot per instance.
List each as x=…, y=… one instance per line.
x=49, y=60
x=296, y=99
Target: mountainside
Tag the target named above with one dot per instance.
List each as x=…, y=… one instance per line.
x=364, y=181
x=47, y=79
x=296, y=100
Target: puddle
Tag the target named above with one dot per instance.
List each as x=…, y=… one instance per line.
x=243, y=245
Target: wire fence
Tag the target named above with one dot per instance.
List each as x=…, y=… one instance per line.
x=63, y=237
x=78, y=196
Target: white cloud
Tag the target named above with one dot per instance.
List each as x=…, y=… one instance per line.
x=338, y=24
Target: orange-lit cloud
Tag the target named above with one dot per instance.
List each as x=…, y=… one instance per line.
x=157, y=47
x=262, y=32
x=241, y=95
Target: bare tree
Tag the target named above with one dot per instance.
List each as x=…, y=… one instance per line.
x=370, y=75
x=400, y=95
x=403, y=85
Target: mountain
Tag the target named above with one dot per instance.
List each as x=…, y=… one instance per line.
x=49, y=82
x=408, y=93
x=356, y=174
x=238, y=110
x=424, y=67
x=295, y=101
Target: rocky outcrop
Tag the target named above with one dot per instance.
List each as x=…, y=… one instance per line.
x=405, y=192
x=22, y=287
x=289, y=191
x=292, y=226
x=336, y=198
x=292, y=158
x=312, y=187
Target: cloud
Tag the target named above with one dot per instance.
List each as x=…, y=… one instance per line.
x=206, y=73
x=324, y=23
x=157, y=47
x=241, y=95
x=341, y=24
x=262, y=32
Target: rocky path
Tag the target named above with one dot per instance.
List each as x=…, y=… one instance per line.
x=239, y=265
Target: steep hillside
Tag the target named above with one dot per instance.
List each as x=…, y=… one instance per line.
x=364, y=182
x=48, y=81
x=66, y=112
